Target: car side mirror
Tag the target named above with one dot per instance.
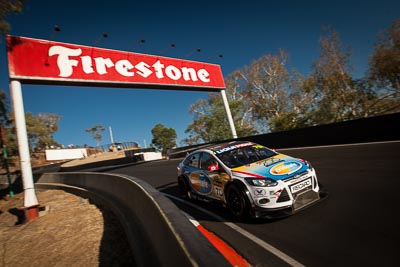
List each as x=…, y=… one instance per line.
x=213, y=167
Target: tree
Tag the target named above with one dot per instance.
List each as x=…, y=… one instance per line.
x=7, y=7
x=272, y=92
x=3, y=108
x=10, y=140
x=210, y=119
x=3, y=121
x=336, y=95
x=384, y=71
x=211, y=123
x=266, y=97
x=40, y=130
x=163, y=138
x=95, y=131
x=263, y=97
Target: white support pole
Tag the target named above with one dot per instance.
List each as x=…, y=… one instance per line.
x=111, y=135
x=30, y=202
x=228, y=113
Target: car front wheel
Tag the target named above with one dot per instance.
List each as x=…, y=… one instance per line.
x=236, y=202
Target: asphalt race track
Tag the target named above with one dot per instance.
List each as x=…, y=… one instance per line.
x=356, y=224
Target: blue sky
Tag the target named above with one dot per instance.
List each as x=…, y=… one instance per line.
x=240, y=31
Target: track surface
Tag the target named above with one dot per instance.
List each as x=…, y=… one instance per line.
x=357, y=224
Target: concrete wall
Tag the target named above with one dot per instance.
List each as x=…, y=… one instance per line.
x=373, y=129
x=148, y=156
x=63, y=154
x=159, y=234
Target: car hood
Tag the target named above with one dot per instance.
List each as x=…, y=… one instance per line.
x=278, y=167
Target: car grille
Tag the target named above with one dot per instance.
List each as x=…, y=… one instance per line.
x=284, y=196
x=304, y=199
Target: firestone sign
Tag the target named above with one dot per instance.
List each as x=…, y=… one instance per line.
x=42, y=61
x=35, y=61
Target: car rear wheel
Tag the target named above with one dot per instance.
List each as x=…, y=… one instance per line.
x=183, y=190
x=236, y=202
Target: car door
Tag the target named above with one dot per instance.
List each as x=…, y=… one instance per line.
x=215, y=174
x=206, y=177
x=198, y=179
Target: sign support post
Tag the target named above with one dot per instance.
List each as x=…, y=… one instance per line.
x=111, y=135
x=31, y=204
x=228, y=113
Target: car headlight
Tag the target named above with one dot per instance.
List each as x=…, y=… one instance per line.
x=307, y=163
x=261, y=182
x=310, y=166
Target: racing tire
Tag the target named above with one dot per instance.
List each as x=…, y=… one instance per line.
x=236, y=202
x=183, y=190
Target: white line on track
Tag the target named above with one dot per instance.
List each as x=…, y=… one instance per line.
x=255, y=239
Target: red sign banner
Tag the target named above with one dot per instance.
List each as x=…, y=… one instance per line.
x=37, y=61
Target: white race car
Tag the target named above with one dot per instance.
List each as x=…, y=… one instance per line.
x=249, y=179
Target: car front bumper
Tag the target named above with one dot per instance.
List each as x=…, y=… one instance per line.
x=301, y=201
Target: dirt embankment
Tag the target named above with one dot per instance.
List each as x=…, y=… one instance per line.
x=70, y=231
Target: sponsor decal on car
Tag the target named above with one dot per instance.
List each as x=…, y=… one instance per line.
x=228, y=148
x=276, y=193
x=219, y=192
x=285, y=168
x=218, y=186
x=201, y=183
x=300, y=186
x=205, y=185
x=270, y=161
x=259, y=192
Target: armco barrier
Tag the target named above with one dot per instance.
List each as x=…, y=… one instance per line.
x=158, y=233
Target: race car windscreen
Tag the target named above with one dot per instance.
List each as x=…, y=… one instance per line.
x=245, y=155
